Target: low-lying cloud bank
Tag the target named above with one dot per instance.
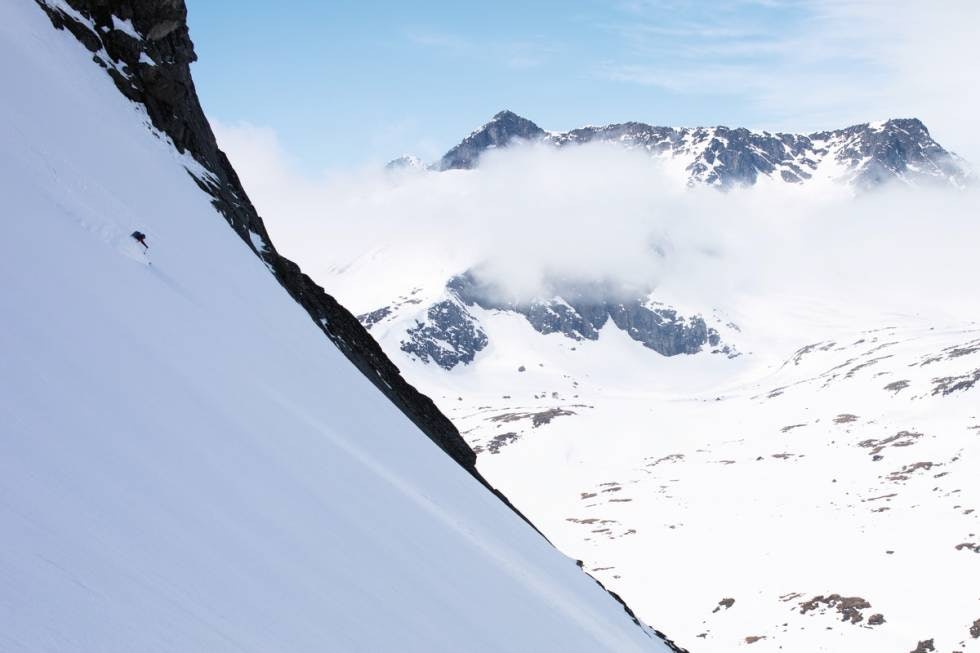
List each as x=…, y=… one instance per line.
x=599, y=213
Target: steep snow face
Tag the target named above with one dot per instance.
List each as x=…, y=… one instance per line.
x=187, y=464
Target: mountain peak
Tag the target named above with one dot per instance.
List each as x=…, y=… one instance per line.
x=508, y=116
x=907, y=123
x=505, y=127
x=405, y=162
x=864, y=155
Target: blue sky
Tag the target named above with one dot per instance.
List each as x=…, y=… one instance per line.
x=344, y=83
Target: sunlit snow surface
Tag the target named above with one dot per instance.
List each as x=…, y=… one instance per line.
x=846, y=464
x=186, y=463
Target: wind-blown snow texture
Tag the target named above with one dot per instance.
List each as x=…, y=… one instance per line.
x=186, y=463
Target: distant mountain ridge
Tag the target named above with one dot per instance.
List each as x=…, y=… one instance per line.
x=863, y=156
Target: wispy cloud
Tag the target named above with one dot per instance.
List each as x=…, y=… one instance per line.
x=516, y=53
x=800, y=62
x=601, y=212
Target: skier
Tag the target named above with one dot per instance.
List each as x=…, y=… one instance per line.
x=140, y=237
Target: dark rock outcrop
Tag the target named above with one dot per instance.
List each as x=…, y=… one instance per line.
x=503, y=128
x=154, y=70
x=578, y=311
x=448, y=337
x=924, y=646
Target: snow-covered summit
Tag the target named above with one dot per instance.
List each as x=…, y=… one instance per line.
x=864, y=155
x=406, y=162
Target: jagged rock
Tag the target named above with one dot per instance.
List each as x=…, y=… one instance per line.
x=867, y=155
x=372, y=318
x=448, y=337
x=579, y=311
x=167, y=91
x=162, y=29
x=503, y=128
x=924, y=646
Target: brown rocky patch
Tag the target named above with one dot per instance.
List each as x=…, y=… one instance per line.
x=883, y=496
x=897, y=386
x=868, y=363
x=724, y=603
x=900, y=439
x=537, y=418
x=848, y=606
x=905, y=472
x=924, y=647
x=500, y=441
x=962, y=350
x=949, y=384
x=845, y=418
x=674, y=457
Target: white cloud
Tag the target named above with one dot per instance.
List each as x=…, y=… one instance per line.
x=599, y=212
x=517, y=54
x=815, y=64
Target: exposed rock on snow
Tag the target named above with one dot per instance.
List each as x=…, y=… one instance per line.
x=864, y=156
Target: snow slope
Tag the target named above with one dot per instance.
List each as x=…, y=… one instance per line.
x=836, y=455
x=185, y=462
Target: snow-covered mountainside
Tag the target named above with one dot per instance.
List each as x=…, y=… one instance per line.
x=821, y=486
x=187, y=463
x=863, y=156
x=789, y=412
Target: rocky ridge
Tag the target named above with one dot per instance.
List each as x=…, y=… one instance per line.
x=864, y=156
x=145, y=47
x=449, y=334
